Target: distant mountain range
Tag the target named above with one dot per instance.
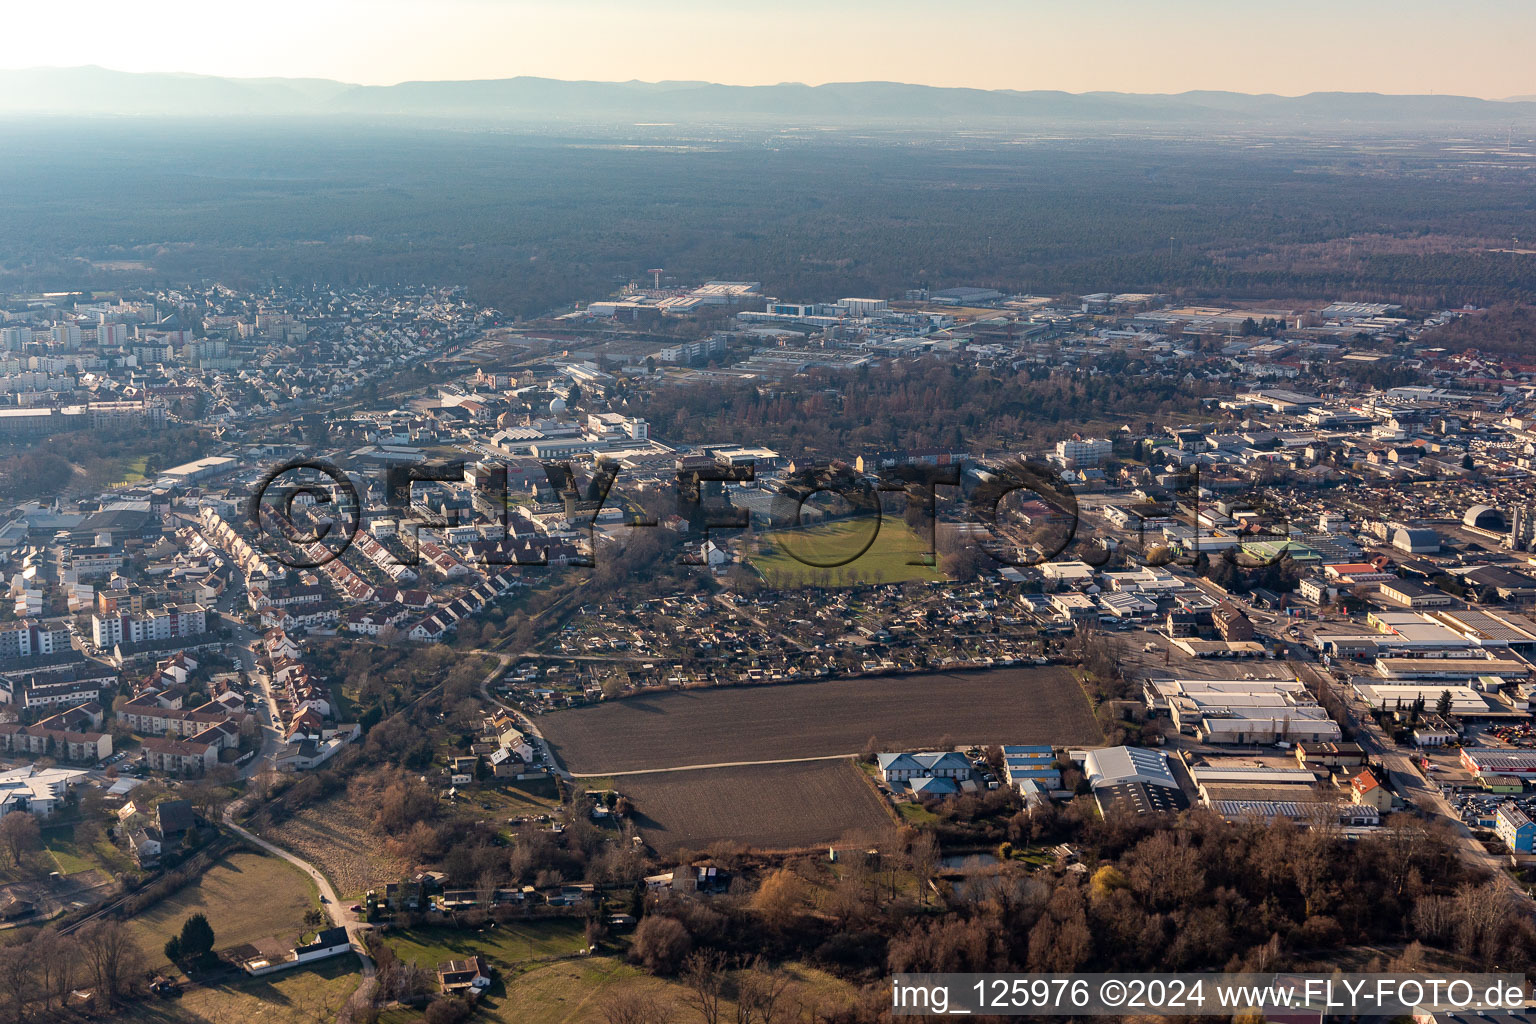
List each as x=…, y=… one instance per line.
x=98, y=91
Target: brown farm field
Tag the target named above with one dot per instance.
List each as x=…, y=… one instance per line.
x=764, y=723
x=768, y=807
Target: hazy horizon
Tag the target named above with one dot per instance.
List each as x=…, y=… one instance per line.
x=1404, y=48
x=704, y=81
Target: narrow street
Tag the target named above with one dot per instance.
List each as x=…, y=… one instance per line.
x=1407, y=782
x=245, y=641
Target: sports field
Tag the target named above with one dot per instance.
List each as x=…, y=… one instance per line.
x=893, y=546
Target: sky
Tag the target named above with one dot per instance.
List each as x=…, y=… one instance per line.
x=1470, y=47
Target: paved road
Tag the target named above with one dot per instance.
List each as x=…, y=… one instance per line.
x=334, y=909
x=1409, y=783
x=246, y=640
x=525, y=721
x=702, y=767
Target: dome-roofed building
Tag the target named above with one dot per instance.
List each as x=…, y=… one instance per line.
x=1416, y=540
x=1485, y=517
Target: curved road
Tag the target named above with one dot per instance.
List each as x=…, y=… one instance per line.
x=272, y=741
x=525, y=720
x=333, y=907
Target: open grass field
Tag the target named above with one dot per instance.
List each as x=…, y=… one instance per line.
x=245, y=896
x=699, y=727
x=336, y=835
x=884, y=562
x=77, y=850
x=503, y=946
x=768, y=807
x=575, y=991
x=303, y=995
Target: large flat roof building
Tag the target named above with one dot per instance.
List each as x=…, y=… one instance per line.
x=1465, y=701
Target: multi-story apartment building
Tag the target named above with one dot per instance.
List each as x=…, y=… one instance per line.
x=165, y=623
x=1084, y=452
x=27, y=638
x=64, y=745
x=181, y=757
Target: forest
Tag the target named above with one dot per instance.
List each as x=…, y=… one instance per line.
x=923, y=404
x=534, y=222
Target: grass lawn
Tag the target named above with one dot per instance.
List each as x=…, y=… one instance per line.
x=343, y=709
x=245, y=896
x=885, y=561
x=129, y=470
x=302, y=995
x=504, y=945
x=74, y=856
x=914, y=813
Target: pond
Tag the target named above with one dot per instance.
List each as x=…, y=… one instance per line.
x=968, y=862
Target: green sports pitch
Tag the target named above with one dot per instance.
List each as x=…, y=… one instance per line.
x=886, y=560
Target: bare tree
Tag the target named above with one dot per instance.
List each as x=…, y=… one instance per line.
x=61, y=970
x=759, y=995
x=20, y=833
x=925, y=859
x=17, y=979
x=112, y=957
x=42, y=950
x=704, y=973
x=632, y=1006
x=1483, y=911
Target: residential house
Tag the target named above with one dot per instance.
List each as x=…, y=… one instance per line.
x=463, y=975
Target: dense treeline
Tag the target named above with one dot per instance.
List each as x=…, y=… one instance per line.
x=1504, y=332
x=929, y=404
x=88, y=461
x=1200, y=894
x=536, y=222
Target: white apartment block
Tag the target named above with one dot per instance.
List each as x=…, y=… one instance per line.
x=1084, y=452
x=154, y=624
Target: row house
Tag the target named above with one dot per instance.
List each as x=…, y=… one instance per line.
x=279, y=645
x=223, y=736
x=287, y=597
x=346, y=582
x=145, y=716
x=224, y=536
x=322, y=616
x=373, y=622
x=430, y=628
x=383, y=559
x=38, y=693
x=414, y=599
x=441, y=560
